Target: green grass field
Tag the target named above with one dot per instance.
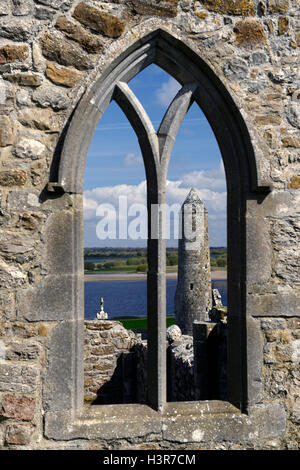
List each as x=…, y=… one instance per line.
x=139, y=323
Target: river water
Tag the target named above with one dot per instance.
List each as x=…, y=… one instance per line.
x=129, y=298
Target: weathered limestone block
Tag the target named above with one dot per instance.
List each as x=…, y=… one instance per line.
x=269, y=324
x=249, y=33
x=20, y=351
x=18, y=408
x=267, y=120
x=258, y=250
x=47, y=96
x=18, y=434
x=24, y=78
x=59, y=242
x=57, y=390
x=19, y=330
x=57, y=4
x=24, y=200
x=58, y=49
x=88, y=41
x=62, y=75
x=255, y=345
x=13, y=178
x=44, y=13
x=99, y=21
x=166, y=8
x=231, y=7
x=39, y=61
x=273, y=300
x=42, y=119
x=16, y=30
x=22, y=7
x=19, y=248
x=17, y=378
x=29, y=221
x=12, y=53
x=6, y=131
x=287, y=265
x=6, y=306
x=5, y=9
x=278, y=6
x=236, y=70
x=49, y=300
x=29, y=148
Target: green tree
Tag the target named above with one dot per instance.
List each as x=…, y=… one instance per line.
x=172, y=260
x=142, y=268
x=89, y=266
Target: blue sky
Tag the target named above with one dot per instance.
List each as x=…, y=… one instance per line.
x=114, y=164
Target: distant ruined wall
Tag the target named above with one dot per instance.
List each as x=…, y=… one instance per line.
x=51, y=53
x=109, y=363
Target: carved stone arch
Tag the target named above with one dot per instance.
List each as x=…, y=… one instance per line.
x=200, y=84
x=185, y=66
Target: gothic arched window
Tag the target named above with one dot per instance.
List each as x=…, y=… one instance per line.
x=64, y=376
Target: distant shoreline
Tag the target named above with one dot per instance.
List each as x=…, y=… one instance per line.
x=141, y=277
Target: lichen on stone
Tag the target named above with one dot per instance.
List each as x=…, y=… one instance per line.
x=283, y=25
x=90, y=42
x=278, y=6
x=11, y=53
x=230, y=7
x=249, y=33
x=99, y=20
x=167, y=8
x=294, y=182
x=62, y=75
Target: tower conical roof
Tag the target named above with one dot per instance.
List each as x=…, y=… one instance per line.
x=193, y=198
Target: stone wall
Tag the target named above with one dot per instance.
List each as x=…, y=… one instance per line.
x=51, y=54
x=281, y=373
x=109, y=363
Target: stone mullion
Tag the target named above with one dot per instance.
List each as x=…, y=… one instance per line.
x=156, y=295
x=156, y=150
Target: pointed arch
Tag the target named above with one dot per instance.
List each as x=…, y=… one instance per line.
x=200, y=84
x=186, y=67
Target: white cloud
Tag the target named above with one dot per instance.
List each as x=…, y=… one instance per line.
x=210, y=186
x=209, y=179
x=167, y=91
x=131, y=159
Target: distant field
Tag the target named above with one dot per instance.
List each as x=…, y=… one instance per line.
x=135, y=260
x=139, y=323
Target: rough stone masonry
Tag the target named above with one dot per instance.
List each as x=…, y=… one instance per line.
x=52, y=53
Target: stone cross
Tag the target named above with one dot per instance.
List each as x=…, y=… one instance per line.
x=102, y=315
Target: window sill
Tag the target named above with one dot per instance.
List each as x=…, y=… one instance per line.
x=181, y=421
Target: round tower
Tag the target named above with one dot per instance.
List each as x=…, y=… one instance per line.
x=193, y=293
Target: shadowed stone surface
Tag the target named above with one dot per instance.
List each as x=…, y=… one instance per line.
x=59, y=50
x=231, y=7
x=89, y=42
